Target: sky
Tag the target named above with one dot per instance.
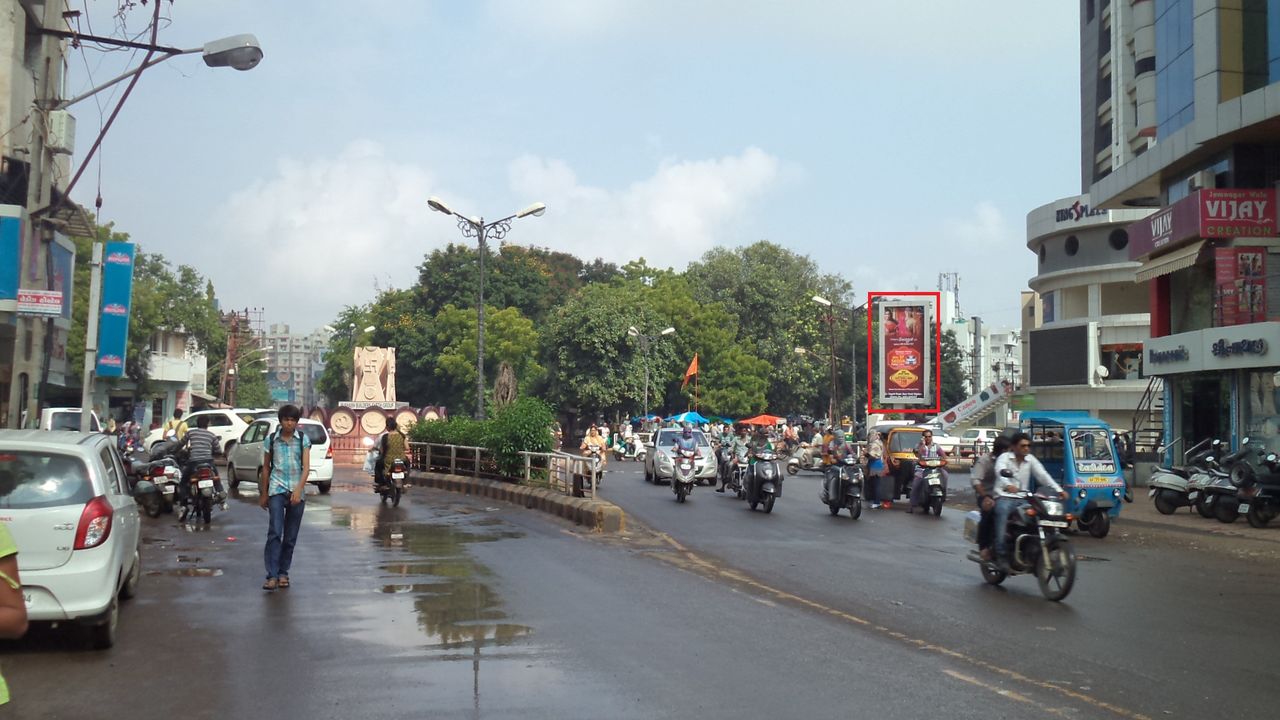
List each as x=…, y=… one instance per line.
x=889, y=141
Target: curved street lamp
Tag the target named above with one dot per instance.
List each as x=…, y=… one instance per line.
x=477, y=228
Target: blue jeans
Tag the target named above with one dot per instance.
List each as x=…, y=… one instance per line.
x=1005, y=507
x=282, y=533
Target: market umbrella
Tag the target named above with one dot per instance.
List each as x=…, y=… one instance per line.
x=690, y=417
x=761, y=420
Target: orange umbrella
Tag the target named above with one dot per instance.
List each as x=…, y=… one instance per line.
x=761, y=420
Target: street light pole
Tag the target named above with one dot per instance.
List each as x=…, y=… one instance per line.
x=644, y=348
x=477, y=228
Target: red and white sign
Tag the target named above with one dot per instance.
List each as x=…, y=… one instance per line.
x=1227, y=213
x=45, y=303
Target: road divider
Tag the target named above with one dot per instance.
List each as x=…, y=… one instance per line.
x=596, y=515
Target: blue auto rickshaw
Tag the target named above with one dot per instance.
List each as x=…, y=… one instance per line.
x=1078, y=451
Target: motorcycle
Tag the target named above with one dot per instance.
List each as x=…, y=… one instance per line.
x=1221, y=494
x=203, y=494
x=805, y=457
x=933, y=489
x=763, y=484
x=393, y=486
x=1258, y=493
x=161, y=472
x=842, y=487
x=1035, y=537
x=629, y=449
x=1172, y=487
x=684, y=472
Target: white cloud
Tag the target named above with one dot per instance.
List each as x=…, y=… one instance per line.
x=985, y=229
x=674, y=216
x=318, y=234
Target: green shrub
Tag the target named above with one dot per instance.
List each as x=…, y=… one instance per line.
x=524, y=425
x=454, y=431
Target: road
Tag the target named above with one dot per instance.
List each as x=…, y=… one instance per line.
x=454, y=607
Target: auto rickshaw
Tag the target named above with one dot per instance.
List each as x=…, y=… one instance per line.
x=1077, y=450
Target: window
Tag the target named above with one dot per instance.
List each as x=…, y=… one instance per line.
x=113, y=475
x=1092, y=452
x=1175, y=69
x=1145, y=65
x=1042, y=253
x=1072, y=245
x=38, y=480
x=1261, y=418
x=217, y=420
x=1119, y=239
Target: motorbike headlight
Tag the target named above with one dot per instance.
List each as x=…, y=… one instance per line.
x=1054, y=509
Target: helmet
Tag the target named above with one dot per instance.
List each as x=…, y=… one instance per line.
x=839, y=433
x=687, y=430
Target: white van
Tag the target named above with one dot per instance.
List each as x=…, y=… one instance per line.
x=67, y=418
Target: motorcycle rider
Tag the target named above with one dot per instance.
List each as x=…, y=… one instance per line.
x=594, y=441
x=927, y=449
x=833, y=454
x=1021, y=466
x=201, y=445
x=393, y=446
x=983, y=477
x=685, y=442
x=739, y=449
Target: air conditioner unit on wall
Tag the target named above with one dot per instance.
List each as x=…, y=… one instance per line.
x=1205, y=179
x=61, y=138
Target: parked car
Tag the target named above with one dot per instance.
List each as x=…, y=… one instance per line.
x=657, y=457
x=67, y=418
x=65, y=498
x=244, y=459
x=226, y=424
x=977, y=440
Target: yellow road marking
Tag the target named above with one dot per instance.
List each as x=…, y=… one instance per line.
x=1003, y=692
x=690, y=561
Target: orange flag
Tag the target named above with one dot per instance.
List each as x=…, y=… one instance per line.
x=693, y=370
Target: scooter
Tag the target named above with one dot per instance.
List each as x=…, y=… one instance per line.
x=1037, y=544
x=1221, y=492
x=842, y=487
x=1172, y=487
x=393, y=487
x=595, y=453
x=684, y=473
x=805, y=457
x=203, y=494
x=933, y=489
x=1258, y=492
x=763, y=484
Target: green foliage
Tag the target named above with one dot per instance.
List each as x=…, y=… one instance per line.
x=508, y=336
x=524, y=425
x=335, y=379
x=457, y=430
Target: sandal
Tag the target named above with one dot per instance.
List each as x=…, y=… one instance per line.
x=283, y=582
x=270, y=584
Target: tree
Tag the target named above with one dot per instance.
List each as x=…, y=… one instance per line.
x=400, y=323
x=951, y=368
x=335, y=379
x=509, y=337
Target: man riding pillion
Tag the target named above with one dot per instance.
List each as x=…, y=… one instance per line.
x=739, y=451
x=927, y=449
x=1014, y=471
x=837, y=449
x=201, y=446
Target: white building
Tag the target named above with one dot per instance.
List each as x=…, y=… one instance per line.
x=294, y=364
x=1000, y=349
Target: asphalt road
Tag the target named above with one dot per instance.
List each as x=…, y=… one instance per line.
x=1156, y=626
x=453, y=607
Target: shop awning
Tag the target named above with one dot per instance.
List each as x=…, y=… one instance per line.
x=1179, y=259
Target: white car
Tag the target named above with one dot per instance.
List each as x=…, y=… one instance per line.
x=244, y=459
x=67, y=418
x=657, y=459
x=979, y=437
x=226, y=424
x=65, y=498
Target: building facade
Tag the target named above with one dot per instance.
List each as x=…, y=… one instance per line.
x=294, y=364
x=1207, y=87
x=1089, y=318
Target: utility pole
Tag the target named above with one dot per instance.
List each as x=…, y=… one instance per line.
x=976, y=362
x=91, y=339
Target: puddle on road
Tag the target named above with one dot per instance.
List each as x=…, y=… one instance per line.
x=451, y=601
x=188, y=572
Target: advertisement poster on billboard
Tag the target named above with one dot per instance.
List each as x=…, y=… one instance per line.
x=906, y=349
x=280, y=385
x=1240, y=285
x=1123, y=361
x=117, y=295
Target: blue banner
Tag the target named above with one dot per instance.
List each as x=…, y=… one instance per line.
x=64, y=264
x=10, y=249
x=117, y=294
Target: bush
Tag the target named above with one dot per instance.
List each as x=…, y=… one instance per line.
x=524, y=425
x=454, y=431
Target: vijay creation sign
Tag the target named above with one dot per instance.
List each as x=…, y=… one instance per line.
x=906, y=361
x=1229, y=213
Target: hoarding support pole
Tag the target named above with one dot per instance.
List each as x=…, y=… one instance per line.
x=88, y=377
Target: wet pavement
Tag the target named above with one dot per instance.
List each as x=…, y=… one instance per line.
x=457, y=607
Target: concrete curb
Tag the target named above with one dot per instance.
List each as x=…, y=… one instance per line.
x=597, y=515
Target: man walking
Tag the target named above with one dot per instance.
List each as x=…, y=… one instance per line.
x=285, y=467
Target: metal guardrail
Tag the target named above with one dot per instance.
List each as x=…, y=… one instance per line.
x=573, y=475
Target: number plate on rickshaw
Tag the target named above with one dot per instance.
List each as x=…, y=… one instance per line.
x=397, y=476
x=1053, y=523
x=202, y=484
x=1244, y=508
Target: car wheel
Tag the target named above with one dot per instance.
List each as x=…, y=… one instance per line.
x=103, y=635
x=130, y=588
x=324, y=487
x=233, y=480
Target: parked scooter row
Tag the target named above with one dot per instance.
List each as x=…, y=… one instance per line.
x=156, y=481
x=1245, y=482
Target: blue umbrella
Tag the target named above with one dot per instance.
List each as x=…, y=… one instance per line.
x=691, y=417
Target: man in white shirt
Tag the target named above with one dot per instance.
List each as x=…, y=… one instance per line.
x=1022, y=466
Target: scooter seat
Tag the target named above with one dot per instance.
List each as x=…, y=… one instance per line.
x=1179, y=471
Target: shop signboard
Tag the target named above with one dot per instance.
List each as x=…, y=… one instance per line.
x=1173, y=354
x=906, y=363
x=117, y=294
x=1240, y=285
x=40, y=303
x=1211, y=214
x=1256, y=345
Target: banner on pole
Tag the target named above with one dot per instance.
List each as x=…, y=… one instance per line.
x=117, y=295
x=906, y=345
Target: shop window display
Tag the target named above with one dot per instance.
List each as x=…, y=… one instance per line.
x=1261, y=417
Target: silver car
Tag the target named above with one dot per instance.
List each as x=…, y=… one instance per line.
x=67, y=503
x=657, y=458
